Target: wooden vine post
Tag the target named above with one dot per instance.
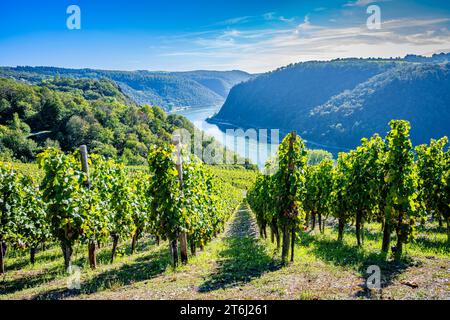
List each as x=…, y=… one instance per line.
x=85, y=168
x=2, y=256
x=179, y=166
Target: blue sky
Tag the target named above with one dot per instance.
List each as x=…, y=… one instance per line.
x=250, y=35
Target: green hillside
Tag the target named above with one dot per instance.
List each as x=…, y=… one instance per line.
x=69, y=112
x=333, y=104
x=166, y=89
x=418, y=93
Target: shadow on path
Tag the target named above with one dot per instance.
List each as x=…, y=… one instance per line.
x=343, y=254
x=426, y=242
x=143, y=268
x=9, y=286
x=244, y=257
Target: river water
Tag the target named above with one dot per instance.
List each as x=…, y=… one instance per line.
x=256, y=148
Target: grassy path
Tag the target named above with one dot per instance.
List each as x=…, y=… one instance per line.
x=219, y=272
x=239, y=265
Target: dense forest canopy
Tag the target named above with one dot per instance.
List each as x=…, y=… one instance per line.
x=334, y=104
x=418, y=93
x=68, y=112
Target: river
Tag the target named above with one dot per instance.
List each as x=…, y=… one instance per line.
x=257, y=151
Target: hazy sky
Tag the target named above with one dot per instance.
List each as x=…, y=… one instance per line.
x=253, y=35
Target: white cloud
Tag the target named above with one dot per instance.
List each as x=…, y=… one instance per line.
x=413, y=23
x=236, y=20
x=362, y=3
x=305, y=26
x=272, y=16
x=263, y=49
x=283, y=19
x=269, y=15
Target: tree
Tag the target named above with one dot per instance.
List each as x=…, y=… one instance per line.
x=319, y=185
x=205, y=212
x=120, y=205
x=310, y=201
x=444, y=201
x=256, y=199
x=290, y=180
x=166, y=193
x=196, y=205
x=315, y=156
x=62, y=191
x=340, y=196
x=77, y=130
x=10, y=205
x=432, y=169
x=15, y=138
x=33, y=227
x=401, y=201
x=95, y=191
x=268, y=199
x=140, y=204
x=52, y=109
x=366, y=181
x=261, y=198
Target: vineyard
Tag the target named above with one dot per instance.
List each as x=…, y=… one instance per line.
x=378, y=182
x=384, y=203
x=93, y=201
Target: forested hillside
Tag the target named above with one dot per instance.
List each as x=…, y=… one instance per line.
x=220, y=82
x=274, y=98
x=69, y=112
x=166, y=89
x=418, y=93
x=336, y=103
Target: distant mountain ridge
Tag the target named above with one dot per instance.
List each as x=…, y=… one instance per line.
x=334, y=104
x=166, y=89
x=419, y=93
